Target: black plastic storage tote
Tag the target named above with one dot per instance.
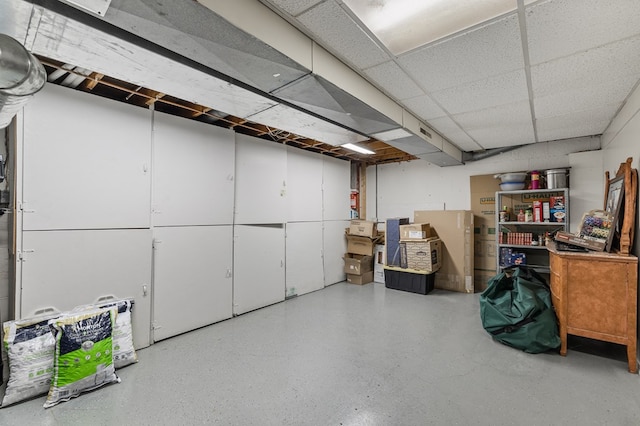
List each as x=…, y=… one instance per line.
x=516, y=310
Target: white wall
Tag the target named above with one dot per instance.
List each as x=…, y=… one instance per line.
x=405, y=187
x=622, y=140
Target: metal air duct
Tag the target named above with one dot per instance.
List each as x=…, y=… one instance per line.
x=21, y=76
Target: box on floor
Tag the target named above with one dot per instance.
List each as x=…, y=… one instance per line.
x=455, y=229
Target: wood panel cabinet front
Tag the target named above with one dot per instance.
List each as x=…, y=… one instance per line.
x=595, y=296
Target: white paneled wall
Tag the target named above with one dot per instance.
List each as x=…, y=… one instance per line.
x=304, y=186
x=80, y=170
x=259, y=271
x=261, y=174
x=188, y=219
x=305, y=272
x=64, y=269
x=193, y=168
x=336, y=190
x=192, y=278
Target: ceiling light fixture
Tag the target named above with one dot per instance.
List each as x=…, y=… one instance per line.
x=402, y=25
x=357, y=148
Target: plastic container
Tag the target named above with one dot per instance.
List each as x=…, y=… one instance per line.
x=535, y=179
x=409, y=281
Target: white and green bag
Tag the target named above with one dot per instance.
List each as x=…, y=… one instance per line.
x=83, y=358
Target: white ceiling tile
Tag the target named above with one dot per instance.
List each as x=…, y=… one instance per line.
x=423, y=107
x=558, y=28
x=492, y=49
x=338, y=33
x=452, y=132
x=578, y=99
x=499, y=126
x=620, y=60
x=294, y=7
x=392, y=79
x=481, y=94
x=576, y=124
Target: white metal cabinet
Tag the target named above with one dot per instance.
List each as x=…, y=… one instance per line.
x=95, y=175
x=334, y=248
x=192, y=284
x=259, y=270
x=304, y=186
x=192, y=172
x=336, y=191
x=261, y=172
x=64, y=269
x=304, y=268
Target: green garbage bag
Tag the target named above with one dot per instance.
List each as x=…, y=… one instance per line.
x=516, y=310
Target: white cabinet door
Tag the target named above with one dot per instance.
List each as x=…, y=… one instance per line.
x=304, y=186
x=192, y=172
x=64, y=269
x=335, y=246
x=80, y=170
x=304, y=258
x=258, y=264
x=336, y=191
x=261, y=172
x=192, y=285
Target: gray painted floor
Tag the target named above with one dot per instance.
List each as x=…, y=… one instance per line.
x=355, y=355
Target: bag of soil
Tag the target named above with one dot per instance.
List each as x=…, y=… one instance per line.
x=29, y=345
x=83, y=358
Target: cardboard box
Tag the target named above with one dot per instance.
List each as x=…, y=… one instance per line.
x=557, y=210
x=455, y=229
x=361, y=245
x=392, y=239
x=481, y=279
x=415, y=231
x=357, y=264
x=378, y=263
x=422, y=255
x=363, y=228
x=365, y=278
x=483, y=204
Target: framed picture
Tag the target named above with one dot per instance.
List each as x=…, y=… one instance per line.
x=615, y=194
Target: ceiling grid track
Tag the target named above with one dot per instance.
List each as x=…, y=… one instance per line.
x=527, y=64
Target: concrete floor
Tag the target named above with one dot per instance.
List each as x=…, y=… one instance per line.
x=355, y=355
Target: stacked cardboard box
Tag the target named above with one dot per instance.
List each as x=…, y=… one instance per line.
x=362, y=238
x=420, y=257
x=455, y=230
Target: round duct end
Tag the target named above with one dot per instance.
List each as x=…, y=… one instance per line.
x=21, y=76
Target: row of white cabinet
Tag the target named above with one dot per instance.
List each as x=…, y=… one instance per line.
x=195, y=222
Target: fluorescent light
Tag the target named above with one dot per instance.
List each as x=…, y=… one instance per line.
x=402, y=25
x=357, y=148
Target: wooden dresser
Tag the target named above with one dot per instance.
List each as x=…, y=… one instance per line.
x=595, y=296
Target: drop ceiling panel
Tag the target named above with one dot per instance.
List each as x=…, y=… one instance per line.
x=499, y=126
x=295, y=7
x=75, y=43
x=575, y=124
x=584, y=71
x=563, y=27
x=192, y=30
x=297, y=122
x=489, y=50
x=392, y=79
x=441, y=159
x=337, y=32
x=496, y=90
x=449, y=128
x=318, y=95
x=424, y=107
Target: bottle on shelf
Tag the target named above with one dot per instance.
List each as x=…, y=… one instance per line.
x=521, y=217
x=528, y=215
x=504, y=214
